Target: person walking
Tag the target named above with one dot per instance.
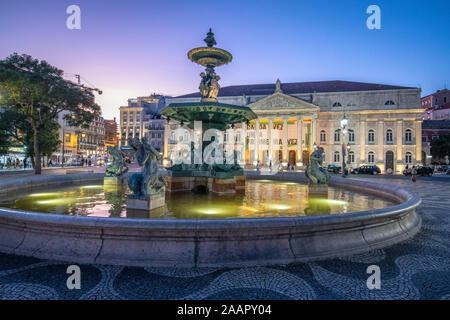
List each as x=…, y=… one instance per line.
x=413, y=174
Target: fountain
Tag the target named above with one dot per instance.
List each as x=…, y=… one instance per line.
x=279, y=219
x=214, y=177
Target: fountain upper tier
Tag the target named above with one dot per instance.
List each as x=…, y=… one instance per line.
x=212, y=113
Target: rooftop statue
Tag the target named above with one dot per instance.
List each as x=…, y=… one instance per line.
x=117, y=167
x=149, y=181
x=314, y=172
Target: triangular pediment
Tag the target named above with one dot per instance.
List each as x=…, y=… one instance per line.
x=281, y=101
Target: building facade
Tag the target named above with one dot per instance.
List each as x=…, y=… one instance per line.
x=111, y=133
x=140, y=118
x=436, y=105
x=79, y=143
x=384, y=123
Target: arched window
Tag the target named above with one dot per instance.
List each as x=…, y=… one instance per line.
x=371, y=136
x=351, y=157
x=336, y=156
x=351, y=135
x=337, y=135
x=408, y=158
x=337, y=104
x=408, y=135
x=323, y=136
x=371, y=157
x=389, y=103
x=389, y=135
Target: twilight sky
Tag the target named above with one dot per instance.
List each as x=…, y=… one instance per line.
x=137, y=47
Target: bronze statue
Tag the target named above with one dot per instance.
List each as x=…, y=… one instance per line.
x=149, y=181
x=117, y=167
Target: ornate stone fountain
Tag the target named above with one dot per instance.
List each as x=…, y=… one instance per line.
x=218, y=178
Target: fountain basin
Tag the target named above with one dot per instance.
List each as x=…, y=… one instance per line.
x=205, y=243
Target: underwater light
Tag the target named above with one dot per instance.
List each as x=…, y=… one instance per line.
x=279, y=206
x=92, y=187
x=35, y=195
x=56, y=201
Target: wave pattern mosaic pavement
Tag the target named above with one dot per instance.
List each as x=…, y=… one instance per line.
x=418, y=268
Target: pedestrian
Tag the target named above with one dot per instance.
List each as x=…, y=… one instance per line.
x=413, y=174
x=257, y=165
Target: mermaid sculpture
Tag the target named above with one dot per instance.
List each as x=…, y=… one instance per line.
x=118, y=167
x=148, y=181
x=314, y=172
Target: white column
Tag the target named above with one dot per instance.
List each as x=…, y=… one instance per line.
x=314, y=130
x=299, y=139
x=362, y=141
x=418, y=134
x=285, y=144
x=270, y=139
x=257, y=140
x=244, y=138
x=380, y=142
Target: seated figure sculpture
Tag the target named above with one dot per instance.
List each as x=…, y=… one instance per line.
x=117, y=167
x=149, y=181
x=314, y=172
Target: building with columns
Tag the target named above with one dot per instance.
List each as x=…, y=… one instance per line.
x=384, y=123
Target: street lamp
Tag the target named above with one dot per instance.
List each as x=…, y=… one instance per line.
x=344, y=124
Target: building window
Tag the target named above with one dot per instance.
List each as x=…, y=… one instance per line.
x=408, y=158
x=322, y=136
x=337, y=104
x=389, y=103
x=424, y=139
x=351, y=135
x=371, y=136
x=351, y=157
x=408, y=135
x=371, y=157
x=337, y=135
x=389, y=136
x=336, y=156
x=434, y=137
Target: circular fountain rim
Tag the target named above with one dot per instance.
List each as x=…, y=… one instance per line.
x=390, y=192
x=204, y=243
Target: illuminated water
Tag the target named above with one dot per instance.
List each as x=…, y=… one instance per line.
x=263, y=198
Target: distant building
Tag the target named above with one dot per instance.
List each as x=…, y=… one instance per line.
x=77, y=143
x=111, y=134
x=436, y=105
x=431, y=130
x=140, y=118
x=384, y=123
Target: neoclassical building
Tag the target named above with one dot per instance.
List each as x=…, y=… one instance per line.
x=384, y=122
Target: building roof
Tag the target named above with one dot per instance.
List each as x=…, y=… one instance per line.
x=299, y=88
x=436, y=124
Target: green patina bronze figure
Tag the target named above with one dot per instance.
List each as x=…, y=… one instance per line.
x=149, y=181
x=314, y=172
x=117, y=167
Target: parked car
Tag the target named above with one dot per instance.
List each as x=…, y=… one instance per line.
x=333, y=168
x=367, y=170
x=421, y=170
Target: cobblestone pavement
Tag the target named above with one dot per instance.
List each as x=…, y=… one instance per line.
x=415, y=269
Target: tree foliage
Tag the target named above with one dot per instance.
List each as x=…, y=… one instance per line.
x=38, y=92
x=440, y=147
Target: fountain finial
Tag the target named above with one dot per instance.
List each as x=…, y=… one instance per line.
x=209, y=40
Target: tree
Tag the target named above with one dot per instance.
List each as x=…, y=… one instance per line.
x=37, y=90
x=440, y=147
x=15, y=128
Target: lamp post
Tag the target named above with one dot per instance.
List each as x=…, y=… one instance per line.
x=344, y=124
